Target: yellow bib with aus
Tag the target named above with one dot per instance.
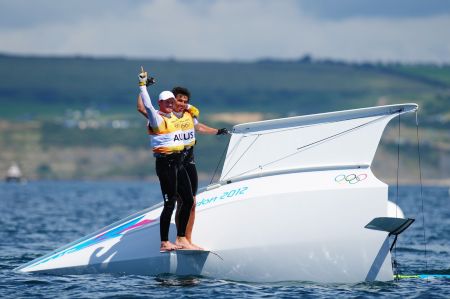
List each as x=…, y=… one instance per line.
x=165, y=138
x=187, y=134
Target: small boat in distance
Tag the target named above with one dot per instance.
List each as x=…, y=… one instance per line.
x=296, y=200
x=14, y=174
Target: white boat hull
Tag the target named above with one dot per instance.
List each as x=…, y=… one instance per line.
x=293, y=199
x=300, y=226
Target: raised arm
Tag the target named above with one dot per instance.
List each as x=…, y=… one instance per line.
x=141, y=107
x=152, y=115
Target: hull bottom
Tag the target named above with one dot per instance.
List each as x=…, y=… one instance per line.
x=313, y=262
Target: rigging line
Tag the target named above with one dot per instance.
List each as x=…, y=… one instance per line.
x=218, y=163
x=230, y=154
x=257, y=136
x=421, y=192
x=398, y=163
x=342, y=133
x=307, y=146
x=396, y=198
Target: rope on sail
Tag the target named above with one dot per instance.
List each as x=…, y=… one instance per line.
x=246, y=150
x=395, y=266
x=421, y=191
x=218, y=163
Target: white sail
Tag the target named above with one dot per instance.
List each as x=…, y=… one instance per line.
x=321, y=141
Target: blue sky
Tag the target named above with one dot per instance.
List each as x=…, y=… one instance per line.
x=350, y=30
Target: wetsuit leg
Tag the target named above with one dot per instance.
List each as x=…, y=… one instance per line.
x=187, y=200
x=192, y=173
x=193, y=177
x=166, y=169
x=189, y=165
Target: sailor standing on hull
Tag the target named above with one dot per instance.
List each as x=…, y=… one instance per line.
x=183, y=109
x=189, y=124
x=167, y=148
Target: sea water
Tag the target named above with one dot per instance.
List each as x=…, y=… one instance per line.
x=38, y=217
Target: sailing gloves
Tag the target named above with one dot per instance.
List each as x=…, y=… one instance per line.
x=144, y=80
x=223, y=131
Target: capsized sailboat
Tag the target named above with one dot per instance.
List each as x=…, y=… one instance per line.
x=14, y=174
x=296, y=200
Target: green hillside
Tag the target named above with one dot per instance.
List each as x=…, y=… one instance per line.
x=59, y=115
x=303, y=86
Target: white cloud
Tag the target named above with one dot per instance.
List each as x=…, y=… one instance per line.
x=230, y=29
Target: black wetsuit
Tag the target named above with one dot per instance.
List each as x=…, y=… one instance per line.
x=189, y=165
x=174, y=181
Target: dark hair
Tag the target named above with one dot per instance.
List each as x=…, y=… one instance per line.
x=181, y=90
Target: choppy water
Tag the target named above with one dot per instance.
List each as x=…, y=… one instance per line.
x=39, y=217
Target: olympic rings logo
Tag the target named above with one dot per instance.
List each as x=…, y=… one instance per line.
x=350, y=178
x=184, y=126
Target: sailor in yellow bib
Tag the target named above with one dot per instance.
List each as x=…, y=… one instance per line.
x=187, y=121
x=167, y=135
x=187, y=126
x=167, y=141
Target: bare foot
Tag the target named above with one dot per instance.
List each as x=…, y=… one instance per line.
x=167, y=246
x=184, y=243
x=196, y=246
